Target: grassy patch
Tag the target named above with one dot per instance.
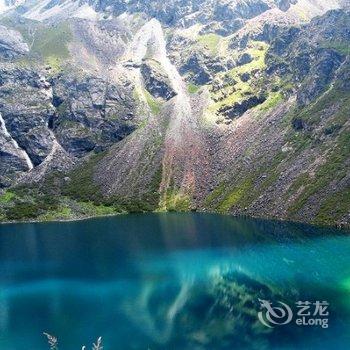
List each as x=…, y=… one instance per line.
x=192, y=88
x=50, y=42
x=334, y=97
x=153, y=104
x=55, y=63
x=337, y=101
x=61, y=213
x=74, y=195
x=210, y=42
x=27, y=205
x=53, y=41
x=333, y=168
x=238, y=90
x=257, y=50
x=176, y=201
x=7, y=197
x=81, y=185
x=334, y=207
x=89, y=209
x=272, y=101
x=234, y=196
x=215, y=195
x=132, y=205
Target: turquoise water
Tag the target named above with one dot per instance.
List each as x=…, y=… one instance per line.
x=170, y=281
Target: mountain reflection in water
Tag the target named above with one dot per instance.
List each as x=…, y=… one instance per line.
x=169, y=281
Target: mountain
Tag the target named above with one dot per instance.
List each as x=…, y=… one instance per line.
x=232, y=106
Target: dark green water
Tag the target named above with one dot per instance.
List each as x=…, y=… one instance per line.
x=170, y=281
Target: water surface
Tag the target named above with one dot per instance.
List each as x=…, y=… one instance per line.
x=170, y=281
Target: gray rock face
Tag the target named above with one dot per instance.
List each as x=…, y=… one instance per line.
x=197, y=68
x=156, y=80
x=11, y=44
x=285, y=4
x=228, y=16
x=38, y=143
x=199, y=62
x=91, y=113
x=320, y=74
x=311, y=55
x=10, y=161
x=25, y=105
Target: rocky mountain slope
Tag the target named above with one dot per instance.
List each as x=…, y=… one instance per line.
x=220, y=105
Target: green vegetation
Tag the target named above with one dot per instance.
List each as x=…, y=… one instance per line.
x=210, y=42
x=234, y=93
x=22, y=211
x=52, y=43
x=342, y=47
x=334, y=207
x=215, y=195
x=334, y=167
x=235, y=195
x=152, y=196
x=132, y=205
x=333, y=109
x=61, y=213
x=89, y=208
x=27, y=206
x=335, y=99
x=154, y=105
x=176, y=201
x=332, y=98
x=81, y=185
x=30, y=204
x=75, y=195
x=238, y=90
x=272, y=101
x=55, y=63
x=82, y=188
x=247, y=188
x=298, y=183
x=56, y=199
x=192, y=88
x=7, y=197
x=257, y=50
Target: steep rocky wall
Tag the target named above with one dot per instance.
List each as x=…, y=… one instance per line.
x=132, y=113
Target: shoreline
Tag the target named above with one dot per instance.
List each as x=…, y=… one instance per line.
x=61, y=220
x=90, y=217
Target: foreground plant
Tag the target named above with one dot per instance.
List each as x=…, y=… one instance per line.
x=53, y=343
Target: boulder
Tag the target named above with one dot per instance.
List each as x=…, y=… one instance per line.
x=244, y=59
x=156, y=80
x=239, y=108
